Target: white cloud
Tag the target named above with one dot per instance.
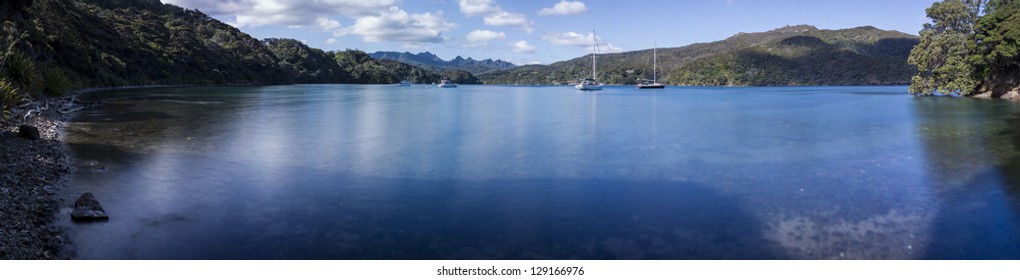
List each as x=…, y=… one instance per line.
x=327, y=24
x=396, y=25
x=284, y=12
x=494, y=14
x=585, y=41
x=480, y=38
x=478, y=7
x=509, y=19
x=522, y=47
x=485, y=36
x=331, y=41
x=564, y=8
x=570, y=39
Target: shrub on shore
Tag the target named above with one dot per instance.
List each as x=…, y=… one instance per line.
x=9, y=96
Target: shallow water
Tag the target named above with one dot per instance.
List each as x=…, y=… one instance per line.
x=500, y=172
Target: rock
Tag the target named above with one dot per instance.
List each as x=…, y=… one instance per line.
x=87, y=208
x=28, y=132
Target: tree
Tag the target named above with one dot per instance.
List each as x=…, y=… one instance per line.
x=996, y=47
x=941, y=57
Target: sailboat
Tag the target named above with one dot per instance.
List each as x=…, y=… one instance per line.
x=655, y=64
x=447, y=84
x=591, y=83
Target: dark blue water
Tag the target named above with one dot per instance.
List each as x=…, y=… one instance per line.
x=497, y=172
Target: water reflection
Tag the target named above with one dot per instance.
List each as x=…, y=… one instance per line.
x=377, y=172
x=973, y=157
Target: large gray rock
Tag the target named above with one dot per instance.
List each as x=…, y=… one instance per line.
x=28, y=132
x=87, y=208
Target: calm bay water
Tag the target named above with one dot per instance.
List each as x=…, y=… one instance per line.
x=500, y=172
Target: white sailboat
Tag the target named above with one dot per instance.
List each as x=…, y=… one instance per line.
x=591, y=83
x=447, y=84
x=655, y=64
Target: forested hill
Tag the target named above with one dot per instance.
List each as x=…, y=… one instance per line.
x=792, y=55
x=102, y=43
x=430, y=61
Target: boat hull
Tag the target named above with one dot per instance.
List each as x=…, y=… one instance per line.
x=651, y=86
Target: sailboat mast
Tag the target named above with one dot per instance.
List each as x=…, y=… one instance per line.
x=655, y=59
x=594, y=50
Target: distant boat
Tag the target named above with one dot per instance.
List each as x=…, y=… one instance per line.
x=655, y=64
x=447, y=84
x=591, y=83
x=404, y=83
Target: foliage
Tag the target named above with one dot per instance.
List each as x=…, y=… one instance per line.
x=402, y=71
x=21, y=71
x=460, y=77
x=941, y=56
x=57, y=82
x=965, y=52
x=16, y=71
x=996, y=47
x=305, y=64
x=798, y=60
x=104, y=43
x=9, y=97
x=364, y=69
x=791, y=55
x=143, y=42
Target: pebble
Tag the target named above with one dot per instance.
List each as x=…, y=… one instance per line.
x=31, y=172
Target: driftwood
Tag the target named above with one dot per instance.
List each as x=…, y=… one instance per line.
x=63, y=105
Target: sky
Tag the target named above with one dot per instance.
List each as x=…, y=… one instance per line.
x=541, y=31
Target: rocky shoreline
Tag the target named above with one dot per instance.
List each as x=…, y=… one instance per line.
x=32, y=173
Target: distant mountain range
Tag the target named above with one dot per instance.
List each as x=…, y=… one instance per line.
x=791, y=55
x=432, y=62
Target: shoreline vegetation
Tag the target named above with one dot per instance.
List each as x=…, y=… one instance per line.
x=970, y=48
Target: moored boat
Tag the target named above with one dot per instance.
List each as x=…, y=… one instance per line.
x=655, y=64
x=447, y=84
x=591, y=83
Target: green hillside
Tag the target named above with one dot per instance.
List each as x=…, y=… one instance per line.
x=792, y=55
x=53, y=46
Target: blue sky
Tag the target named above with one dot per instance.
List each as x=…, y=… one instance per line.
x=544, y=31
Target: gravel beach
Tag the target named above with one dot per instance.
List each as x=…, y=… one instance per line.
x=32, y=173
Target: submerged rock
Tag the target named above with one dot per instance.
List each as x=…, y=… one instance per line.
x=87, y=208
x=28, y=132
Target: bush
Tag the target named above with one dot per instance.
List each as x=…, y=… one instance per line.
x=9, y=97
x=56, y=81
x=21, y=71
